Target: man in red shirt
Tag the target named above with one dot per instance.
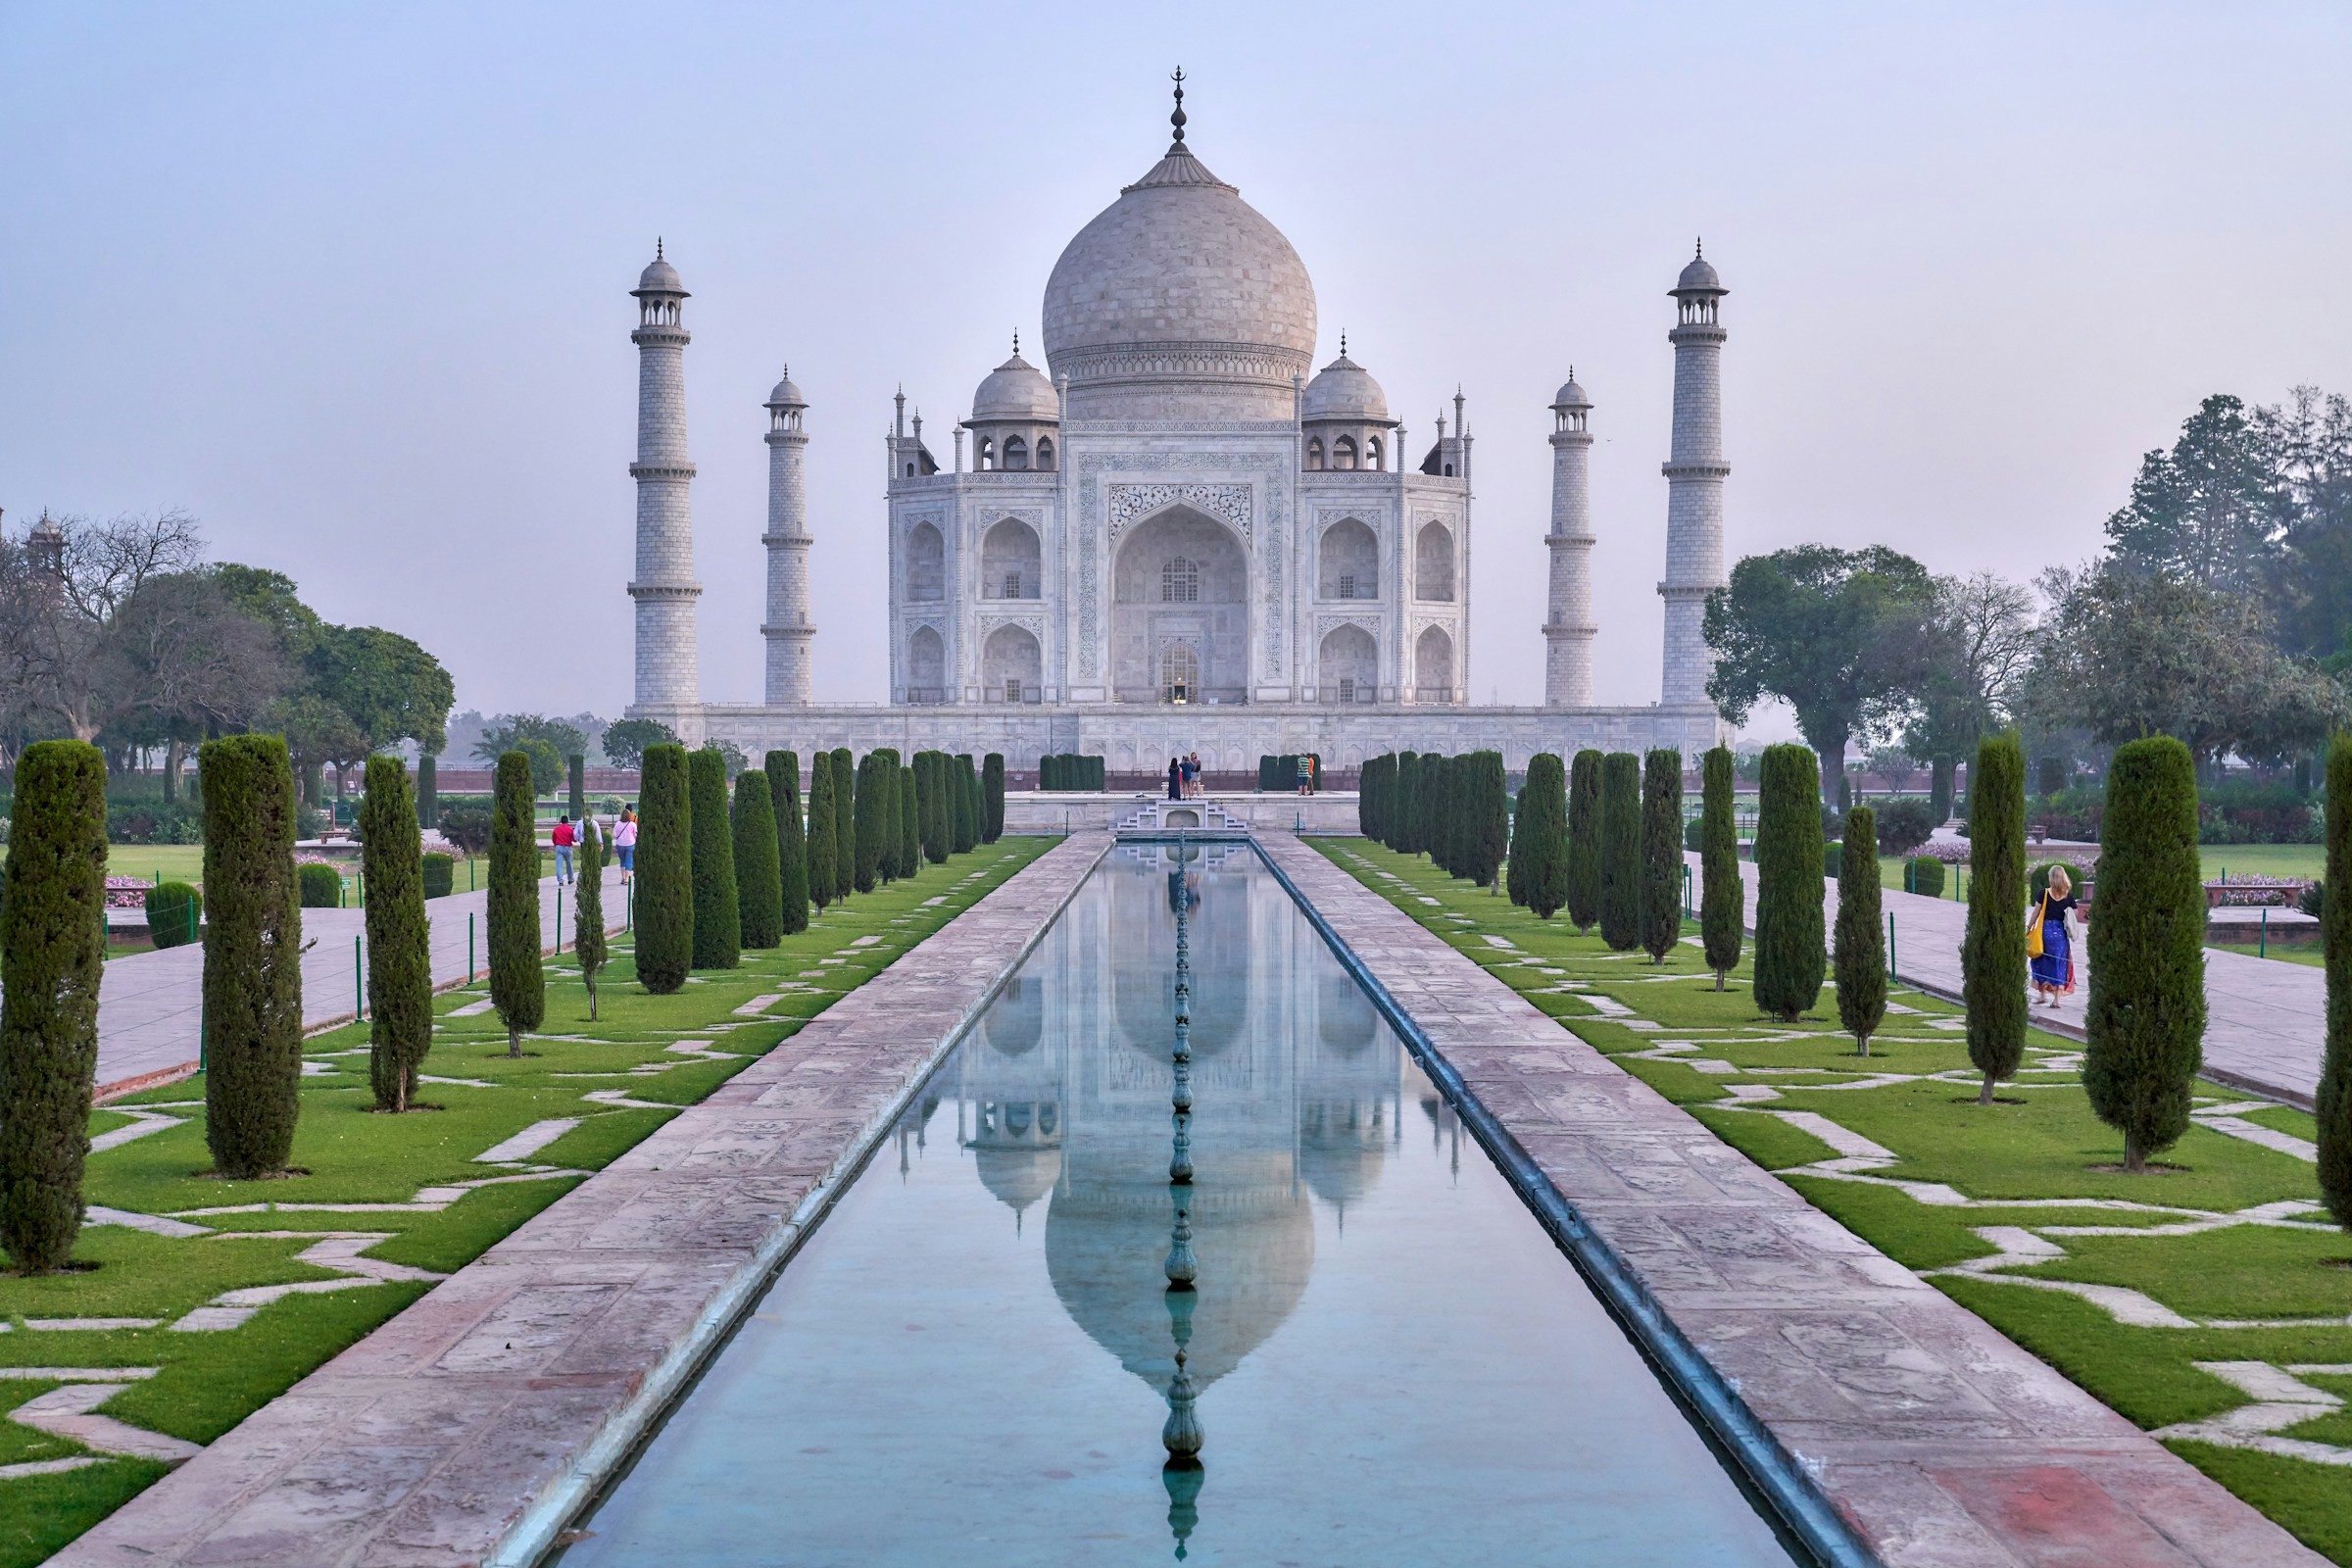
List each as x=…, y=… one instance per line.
x=565, y=838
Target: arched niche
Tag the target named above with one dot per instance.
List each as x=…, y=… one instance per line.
x=1011, y=666
x=1347, y=561
x=1433, y=665
x=1180, y=586
x=926, y=665
x=926, y=564
x=1433, y=564
x=1011, y=565
x=1347, y=666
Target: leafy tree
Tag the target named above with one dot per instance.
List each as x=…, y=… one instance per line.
x=317, y=734
x=1540, y=839
x=2145, y=1022
x=52, y=952
x=1831, y=632
x=2309, y=443
x=1974, y=648
x=821, y=819
x=717, y=917
x=545, y=763
x=1621, y=851
x=507, y=732
x=2203, y=511
x=251, y=956
x=625, y=742
x=467, y=827
x=871, y=819
x=399, y=964
x=992, y=784
x=792, y=843
x=1861, y=944
x=758, y=885
x=1584, y=840
x=2335, y=1101
x=588, y=942
x=1790, y=949
x=665, y=908
x=1722, y=896
x=517, y=980
x=1904, y=824
x=391, y=689
x=1993, y=953
x=1661, y=852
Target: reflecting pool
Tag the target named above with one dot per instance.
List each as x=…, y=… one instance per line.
x=973, y=1359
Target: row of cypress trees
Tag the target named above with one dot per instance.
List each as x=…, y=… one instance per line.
x=1456, y=809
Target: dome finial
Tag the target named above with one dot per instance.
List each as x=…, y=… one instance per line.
x=1016, y=343
x=656, y=247
x=1177, y=119
x=1342, y=342
x=1698, y=249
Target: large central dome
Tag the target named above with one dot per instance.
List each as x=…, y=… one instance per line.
x=1180, y=295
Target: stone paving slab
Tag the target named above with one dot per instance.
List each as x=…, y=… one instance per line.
x=1940, y=1443
x=468, y=1427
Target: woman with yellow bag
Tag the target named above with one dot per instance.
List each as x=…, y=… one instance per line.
x=2048, y=940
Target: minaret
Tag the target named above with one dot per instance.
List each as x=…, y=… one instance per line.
x=1694, y=478
x=1568, y=623
x=787, y=539
x=667, y=675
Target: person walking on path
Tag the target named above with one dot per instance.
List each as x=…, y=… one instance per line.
x=624, y=841
x=1306, y=773
x=2054, y=955
x=1175, y=780
x=564, y=838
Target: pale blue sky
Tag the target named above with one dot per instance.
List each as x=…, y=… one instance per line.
x=349, y=283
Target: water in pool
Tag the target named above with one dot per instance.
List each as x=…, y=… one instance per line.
x=971, y=1361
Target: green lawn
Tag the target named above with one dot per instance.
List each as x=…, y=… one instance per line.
x=2308, y=952
x=207, y=1382
x=2229, y=1239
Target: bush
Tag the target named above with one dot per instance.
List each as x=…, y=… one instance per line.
x=1584, y=840
x=1621, y=851
x=321, y=886
x=1904, y=824
x=822, y=817
x=1661, y=852
x=1993, y=953
x=718, y=918
x=1485, y=816
x=1790, y=953
x=1832, y=858
x=440, y=874
x=931, y=805
x=1369, y=783
x=758, y=889
x=174, y=915
x=1861, y=942
x=251, y=956
x=966, y=829
x=792, y=841
x=1723, y=897
x=992, y=790
x=2333, y=1102
x=1923, y=876
x=2145, y=1023
x=467, y=827
x=518, y=979
x=665, y=908
x=154, y=822
x=1695, y=834
x=1400, y=819
x=2313, y=899
x=399, y=964
x=52, y=954
x=2037, y=881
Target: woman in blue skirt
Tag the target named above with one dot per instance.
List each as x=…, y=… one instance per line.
x=2054, y=969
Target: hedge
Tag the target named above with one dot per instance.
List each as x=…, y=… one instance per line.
x=1621, y=851
x=1067, y=770
x=1401, y=822
x=517, y=978
x=251, y=956
x=439, y=874
x=876, y=794
x=399, y=964
x=175, y=913
x=718, y=918
x=1860, y=942
x=759, y=886
x=1992, y=952
x=1791, y=956
x=664, y=916
x=1923, y=876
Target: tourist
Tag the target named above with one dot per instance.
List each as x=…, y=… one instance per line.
x=624, y=841
x=1306, y=773
x=1175, y=780
x=564, y=838
x=2054, y=958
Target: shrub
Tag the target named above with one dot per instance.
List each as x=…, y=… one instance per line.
x=588, y=942
x=2313, y=899
x=1485, y=816
x=517, y=981
x=154, y=822
x=1904, y=824
x=931, y=801
x=2334, y=1104
x=1539, y=837
x=1860, y=941
x=1832, y=858
x=321, y=886
x=909, y=848
x=1584, y=840
x=717, y=920
x=1722, y=896
x=1923, y=876
x=1790, y=955
x=792, y=841
x=1368, y=785
x=251, y=956
x=758, y=893
x=991, y=788
x=467, y=827
x=1939, y=792
x=890, y=796
x=175, y=913
x=1429, y=806
x=1992, y=954
x=1695, y=834
x=2145, y=1022
x=664, y=909
x=872, y=818
x=400, y=965
x=439, y=874
x=1661, y=852
x=822, y=817
x=2037, y=882
x=1621, y=851
x=52, y=954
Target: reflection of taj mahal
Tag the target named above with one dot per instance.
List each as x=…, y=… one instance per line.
x=1179, y=534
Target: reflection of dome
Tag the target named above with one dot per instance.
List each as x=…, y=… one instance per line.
x=1345, y=1022
x=1341, y=1147
x=1017, y=1019
x=1015, y=390
x=1346, y=390
x=1021, y=1176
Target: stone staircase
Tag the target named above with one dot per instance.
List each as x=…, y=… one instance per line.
x=1156, y=818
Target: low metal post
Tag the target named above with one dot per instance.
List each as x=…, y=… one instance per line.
x=359, y=982
x=469, y=948
x=559, y=925
x=2261, y=949
x=1890, y=947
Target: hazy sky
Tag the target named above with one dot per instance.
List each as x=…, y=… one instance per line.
x=351, y=282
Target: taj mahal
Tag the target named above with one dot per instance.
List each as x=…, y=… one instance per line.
x=1179, y=535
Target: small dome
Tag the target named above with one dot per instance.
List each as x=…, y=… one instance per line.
x=1016, y=390
x=660, y=277
x=1698, y=278
x=786, y=395
x=1571, y=396
x=1346, y=390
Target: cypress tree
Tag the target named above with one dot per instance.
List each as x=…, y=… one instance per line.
x=894, y=835
x=2145, y=1022
x=991, y=788
x=52, y=954
x=931, y=797
x=1403, y=788
x=869, y=817
x=758, y=893
x=517, y=980
x=665, y=916
x=1993, y=953
x=1434, y=828
x=588, y=942
x=1540, y=839
x=967, y=775
x=959, y=805
x=1489, y=825
x=783, y=771
x=1450, y=813
x=824, y=857
x=1367, y=796
x=252, y=954
x=1861, y=941
x=1621, y=851
x=1584, y=840
x=1790, y=955
x=399, y=964
x=2334, y=1101
x=429, y=790
x=1661, y=852
x=718, y=914
x=1515, y=876
x=844, y=824
x=909, y=848
x=576, y=776
x=1722, y=908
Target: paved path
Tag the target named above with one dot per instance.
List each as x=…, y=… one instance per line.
x=2266, y=1019
x=1937, y=1440
x=150, y=1004
x=478, y=1420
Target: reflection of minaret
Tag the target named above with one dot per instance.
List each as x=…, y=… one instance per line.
x=1013, y=1086
x=1181, y=1435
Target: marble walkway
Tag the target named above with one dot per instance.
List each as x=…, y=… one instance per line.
x=1941, y=1443
x=2266, y=1019
x=471, y=1426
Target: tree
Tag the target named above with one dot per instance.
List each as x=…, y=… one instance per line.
x=1861, y=944
x=931, y=798
x=1584, y=840
x=845, y=823
x=509, y=731
x=2308, y=444
x=2334, y=1104
x=717, y=915
x=1429, y=806
x=1976, y=646
x=52, y=952
x=964, y=830
x=1404, y=815
x=1621, y=851
x=391, y=689
x=758, y=889
x=317, y=734
x=1661, y=852
x=2203, y=510
x=1367, y=798
x=1992, y=952
x=911, y=822
x=1789, y=950
x=885, y=860
x=792, y=842
x=1486, y=823
x=518, y=979
x=251, y=956
x=399, y=964
x=992, y=785
x=575, y=787
x=545, y=764
x=1831, y=632
x=2145, y=1022
x=625, y=742
x=588, y=942
x=1722, y=896
x=664, y=908
x=428, y=790
x=870, y=819
x=1539, y=836
x=821, y=819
